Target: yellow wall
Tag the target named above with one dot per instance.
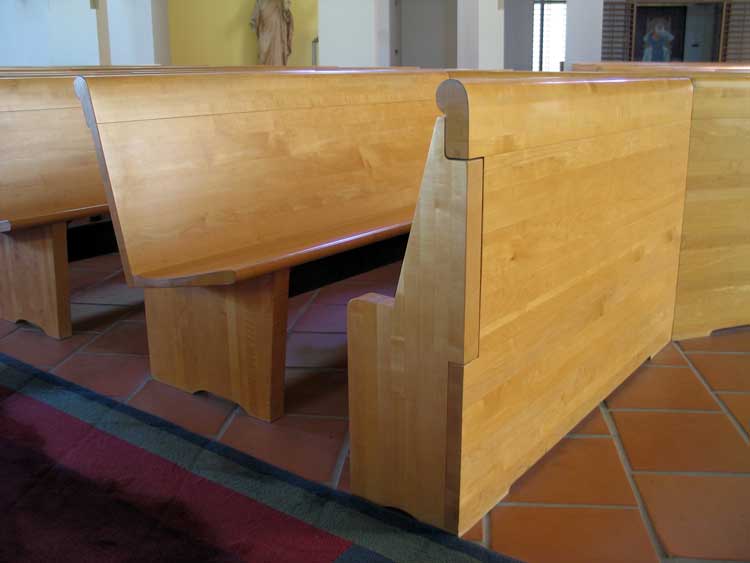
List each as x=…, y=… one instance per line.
x=217, y=32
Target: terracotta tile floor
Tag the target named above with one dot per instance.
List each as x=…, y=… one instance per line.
x=659, y=471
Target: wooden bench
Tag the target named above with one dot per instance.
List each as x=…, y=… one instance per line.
x=713, y=289
x=49, y=175
x=540, y=272
x=219, y=184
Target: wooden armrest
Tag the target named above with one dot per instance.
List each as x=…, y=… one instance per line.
x=36, y=221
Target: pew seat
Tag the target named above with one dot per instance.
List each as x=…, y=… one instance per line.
x=540, y=272
x=218, y=184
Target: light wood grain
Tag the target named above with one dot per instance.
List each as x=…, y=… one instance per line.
x=192, y=160
x=713, y=289
x=519, y=309
x=216, y=182
x=48, y=165
x=34, y=284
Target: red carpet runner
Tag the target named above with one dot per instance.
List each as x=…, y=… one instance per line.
x=86, y=479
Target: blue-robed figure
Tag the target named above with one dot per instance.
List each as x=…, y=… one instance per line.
x=657, y=43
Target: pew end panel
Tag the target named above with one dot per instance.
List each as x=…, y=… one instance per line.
x=219, y=184
x=540, y=272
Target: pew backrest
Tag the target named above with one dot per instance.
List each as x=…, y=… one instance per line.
x=712, y=290
x=48, y=166
x=540, y=272
x=216, y=178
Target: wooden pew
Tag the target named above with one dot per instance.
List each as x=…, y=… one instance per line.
x=49, y=175
x=540, y=272
x=713, y=289
x=219, y=184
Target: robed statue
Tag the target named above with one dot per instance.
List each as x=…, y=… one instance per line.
x=273, y=23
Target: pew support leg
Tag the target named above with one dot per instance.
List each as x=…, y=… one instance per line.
x=34, y=279
x=227, y=340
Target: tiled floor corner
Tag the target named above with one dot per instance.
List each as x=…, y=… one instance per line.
x=660, y=470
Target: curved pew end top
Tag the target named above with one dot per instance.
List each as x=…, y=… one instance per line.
x=492, y=108
x=540, y=272
x=218, y=178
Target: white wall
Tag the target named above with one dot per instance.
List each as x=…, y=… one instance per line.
x=519, y=29
x=48, y=33
x=347, y=33
x=583, y=40
x=428, y=33
x=480, y=34
x=138, y=32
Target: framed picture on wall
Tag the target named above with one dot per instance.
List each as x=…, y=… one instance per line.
x=659, y=33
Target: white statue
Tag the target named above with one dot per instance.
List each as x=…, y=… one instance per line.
x=273, y=23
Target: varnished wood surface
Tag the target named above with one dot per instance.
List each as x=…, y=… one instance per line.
x=225, y=340
x=554, y=285
x=219, y=182
x=713, y=289
x=47, y=161
x=34, y=283
x=204, y=171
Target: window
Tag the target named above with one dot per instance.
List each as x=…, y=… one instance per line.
x=549, y=34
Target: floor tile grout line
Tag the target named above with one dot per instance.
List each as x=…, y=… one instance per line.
x=692, y=473
x=569, y=505
x=666, y=411
x=138, y=389
x=290, y=325
x=486, y=531
x=691, y=560
x=69, y=356
x=645, y=517
x=730, y=415
x=100, y=282
x=227, y=423
x=15, y=329
x=100, y=335
x=338, y=467
x=716, y=353
x=106, y=354
x=316, y=416
x=319, y=370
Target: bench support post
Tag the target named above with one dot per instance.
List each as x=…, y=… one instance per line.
x=34, y=279
x=228, y=340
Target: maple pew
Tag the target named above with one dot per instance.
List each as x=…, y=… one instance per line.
x=49, y=175
x=713, y=289
x=540, y=272
x=219, y=184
